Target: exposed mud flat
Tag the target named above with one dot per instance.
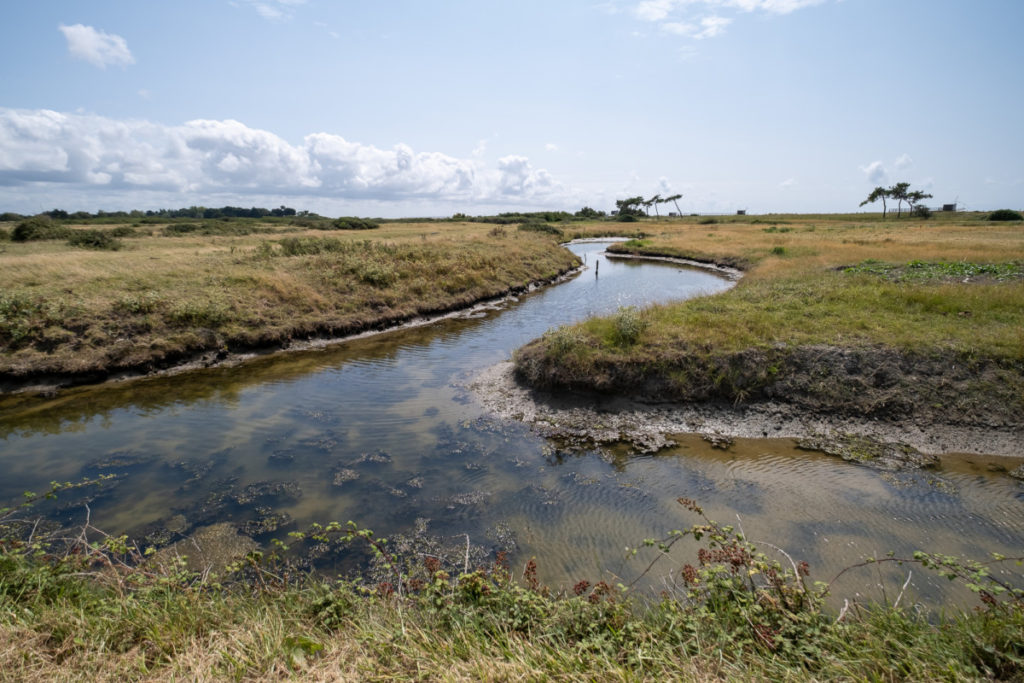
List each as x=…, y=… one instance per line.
x=602, y=418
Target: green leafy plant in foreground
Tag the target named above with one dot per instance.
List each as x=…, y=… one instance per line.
x=734, y=610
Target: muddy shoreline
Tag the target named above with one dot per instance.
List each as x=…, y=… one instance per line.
x=600, y=418
x=48, y=383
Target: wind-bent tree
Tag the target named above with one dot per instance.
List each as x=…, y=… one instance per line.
x=899, y=192
x=630, y=206
x=654, y=201
x=876, y=194
x=673, y=198
x=916, y=197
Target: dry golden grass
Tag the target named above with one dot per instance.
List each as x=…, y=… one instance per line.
x=161, y=298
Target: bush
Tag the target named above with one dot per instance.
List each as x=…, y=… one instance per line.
x=4, y=235
x=176, y=229
x=124, y=231
x=921, y=211
x=94, y=239
x=307, y=246
x=587, y=212
x=349, y=223
x=627, y=326
x=39, y=228
x=8, y=217
x=626, y=218
x=1005, y=215
x=541, y=227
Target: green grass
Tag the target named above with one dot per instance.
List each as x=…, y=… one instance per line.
x=950, y=287
x=101, y=610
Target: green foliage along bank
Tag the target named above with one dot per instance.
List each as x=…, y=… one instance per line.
x=83, y=605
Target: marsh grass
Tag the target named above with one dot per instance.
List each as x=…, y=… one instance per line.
x=946, y=283
x=160, y=296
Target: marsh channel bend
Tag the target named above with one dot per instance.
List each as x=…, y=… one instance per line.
x=381, y=430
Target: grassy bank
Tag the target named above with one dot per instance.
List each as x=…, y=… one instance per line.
x=164, y=293
x=840, y=312
x=93, y=608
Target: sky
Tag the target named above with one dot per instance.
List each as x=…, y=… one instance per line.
x=400, y=108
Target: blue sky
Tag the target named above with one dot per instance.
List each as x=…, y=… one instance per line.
x=409, y=108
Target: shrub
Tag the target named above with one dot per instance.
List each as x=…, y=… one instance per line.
x=4, y=235
x=8, y=217
x=94, y=239
x=626, y=218
x=124, y=231
x=779, y=251
x=541, y=227
x=562, y=341
x=922, y=211
x=627, y=326
x=176, y=229
x=1005, y=215
x=39, y=228
x=707, y=221
x=349, y=223
x=307, y=246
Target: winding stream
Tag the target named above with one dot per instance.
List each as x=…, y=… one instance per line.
x=382, y=431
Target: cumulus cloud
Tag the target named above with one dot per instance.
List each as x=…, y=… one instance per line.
x=96, y=47
x=903, y=162
x=274, y=9
x=700, y=19
x=209, y=156
x=875, y=172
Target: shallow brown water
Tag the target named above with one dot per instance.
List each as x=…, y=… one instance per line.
x=381, y=431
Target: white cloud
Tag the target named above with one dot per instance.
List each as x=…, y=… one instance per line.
x=788, y=183
x=551, y=147
x=205, y=156
x=684, y=17
x=654, y=10
x=273, y=9
x=96, y=47
x=903, y=162
x=875, y=171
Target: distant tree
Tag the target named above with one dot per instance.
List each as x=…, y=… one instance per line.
x=587, y=212
x=915, y=198
x=901, y=193
x=654, y=201
x=630, y=206
x=876, y=194
x=673, y=198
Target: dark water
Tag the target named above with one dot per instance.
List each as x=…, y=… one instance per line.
x=381, y=431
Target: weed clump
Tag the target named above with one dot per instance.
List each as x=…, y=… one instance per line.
x=628, y=325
